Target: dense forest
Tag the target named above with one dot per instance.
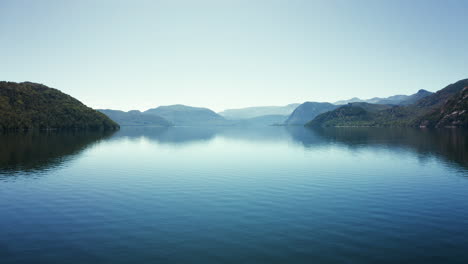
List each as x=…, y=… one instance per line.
x=35, y=106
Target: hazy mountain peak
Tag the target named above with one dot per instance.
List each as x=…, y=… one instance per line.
x=135, y=118
x=352, y=100
x=181, y=107
x=398, y=99
x=308, y=111
x=180, y=114
x=257, y=111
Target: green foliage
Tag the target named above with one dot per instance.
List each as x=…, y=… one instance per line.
x=36, y=106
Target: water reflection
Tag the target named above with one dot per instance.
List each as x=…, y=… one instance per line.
x=164, y=195
x=35, y=151
x=41, y=151
x=168, y=135
x=189, y=135
x=449, y=144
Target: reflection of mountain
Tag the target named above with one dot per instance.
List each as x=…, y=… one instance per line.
x=187, y=135
x=451, y=145
x=171, y=135
x=257, y=134
x=266, y=120
x=42, y=150
x=307, y=137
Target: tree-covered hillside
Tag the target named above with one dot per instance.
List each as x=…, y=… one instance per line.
x=445, y=108
x=352, y=114
x=35, y=106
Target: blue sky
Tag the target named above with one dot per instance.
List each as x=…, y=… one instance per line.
x=227, y=54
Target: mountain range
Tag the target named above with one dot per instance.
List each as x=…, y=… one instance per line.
x=35, y=106
x=183, y=115
x=257, y=111
x=393, y=100
x=135, y=118
x=445, y=108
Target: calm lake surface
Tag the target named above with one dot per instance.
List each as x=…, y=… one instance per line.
x=235, y=195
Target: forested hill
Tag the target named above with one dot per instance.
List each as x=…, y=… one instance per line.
x=446, y=108
x=35, y=106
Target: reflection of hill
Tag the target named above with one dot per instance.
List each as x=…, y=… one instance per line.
x=307, y=137
x=42, y=150
x=257, y=134
x=170, y=135
x=449, y=144
x=185, y=135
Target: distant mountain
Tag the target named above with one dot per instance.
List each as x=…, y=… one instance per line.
x=392, y=100
x=405, y=99
x=308, y=111
x=35, y=106
x=251, y=112
x=446, y=107
x=266, y=120
x=183, y=115
x=352, y=100
x=135, y=118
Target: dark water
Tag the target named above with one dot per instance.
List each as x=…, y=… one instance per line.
x=235, y=195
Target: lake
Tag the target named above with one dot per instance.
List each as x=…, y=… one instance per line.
x=235, y=195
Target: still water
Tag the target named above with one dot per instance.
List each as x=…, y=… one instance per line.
x=235, y=195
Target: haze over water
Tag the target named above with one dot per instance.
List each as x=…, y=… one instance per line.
x=235, y=195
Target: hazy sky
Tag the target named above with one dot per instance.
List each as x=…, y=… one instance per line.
x=226, y=54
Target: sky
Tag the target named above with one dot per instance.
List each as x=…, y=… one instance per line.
x=225, y=54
